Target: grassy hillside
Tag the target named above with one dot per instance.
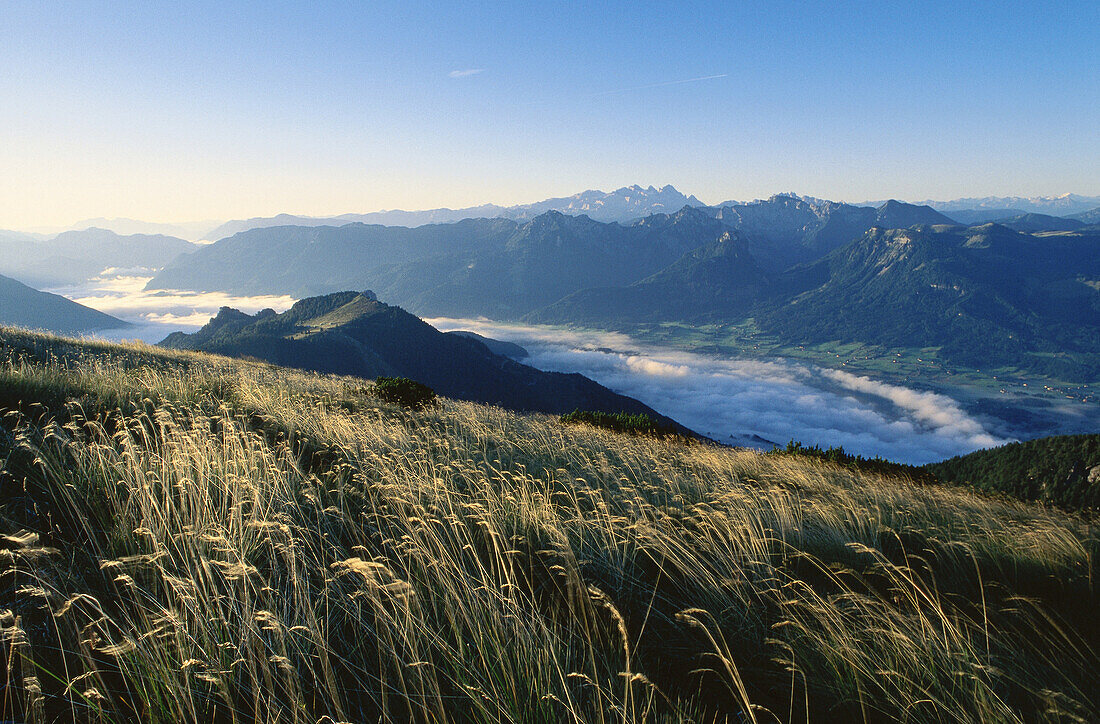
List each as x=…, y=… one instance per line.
x=189, y=538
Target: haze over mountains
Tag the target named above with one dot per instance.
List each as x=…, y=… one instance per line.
x=1064, y=205
x=189, y=230
x=502, y=266
x=641, y=255
x=76, y=256
x=633, y=202
x=624, y=205
x=806, y=270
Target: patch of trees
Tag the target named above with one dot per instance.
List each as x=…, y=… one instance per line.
x=403, y=391
x=838, y=456
x=637, y=424
x=1062, y=471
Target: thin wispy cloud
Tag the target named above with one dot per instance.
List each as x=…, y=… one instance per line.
x=465, y=73
x=661, y=84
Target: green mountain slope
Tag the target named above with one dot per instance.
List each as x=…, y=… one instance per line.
x=1063, y=470
x=351, y=333
x=1030, y=223
x=23, y=306
x=984, y=295
x=720, y=279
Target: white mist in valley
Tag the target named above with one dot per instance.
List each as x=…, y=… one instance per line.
x=755, y=402
x=745, y=402
x=156, y=314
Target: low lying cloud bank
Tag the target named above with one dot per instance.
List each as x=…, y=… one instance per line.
x=733, y=400
x=156, y=314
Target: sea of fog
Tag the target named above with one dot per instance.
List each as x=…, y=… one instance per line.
x=156, y=314
x=736, y=401
x=747, y=402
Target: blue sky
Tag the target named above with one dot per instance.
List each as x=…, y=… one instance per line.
x=182, y=111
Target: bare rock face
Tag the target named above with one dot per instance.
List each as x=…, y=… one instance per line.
x=1094, y=475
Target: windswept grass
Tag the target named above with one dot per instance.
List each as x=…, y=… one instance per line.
x=188, y=538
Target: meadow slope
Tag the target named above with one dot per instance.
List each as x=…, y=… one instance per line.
x=191, y=538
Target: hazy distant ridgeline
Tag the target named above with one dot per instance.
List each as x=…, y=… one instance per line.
x=199, y=538
x=1089, y=217
x=76, y=256
x=1064, y=205
x=1031, y=223
x=625, y=204
x=630, y=203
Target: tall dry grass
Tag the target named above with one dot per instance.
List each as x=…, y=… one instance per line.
x=189, y=538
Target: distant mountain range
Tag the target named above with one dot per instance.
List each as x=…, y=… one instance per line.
x=76, y=256
x=634, y=202
x=1064, y=205
x=982, y=295
x=352, y=333
x=788, y=229
x=803, y=269
x=1033, y=223
x=496, y=267
x=189, y=230
x=504, y=268
x=23, y=306
x=1089, y=217
x=799, y=268
x=625, y=204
